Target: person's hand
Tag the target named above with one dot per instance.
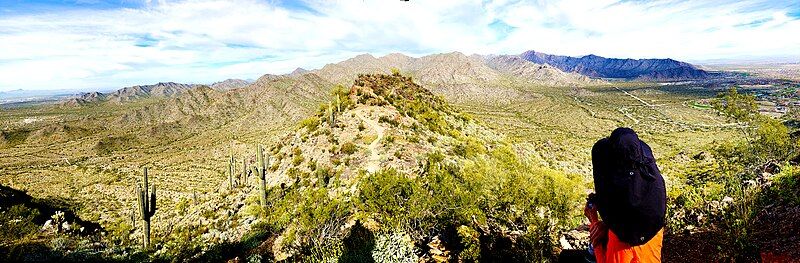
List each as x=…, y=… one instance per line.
x=598, y=234
x=590, y=213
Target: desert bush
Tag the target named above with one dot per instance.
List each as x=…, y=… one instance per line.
x=297, y=158
x=470, y=147
x=310, y=123
x=394, y=247
x=349, y=148
x=388, y=120
x=324, y=175
x=470, y=244
x=388, y=140
x=721, y=188
x=107, y=145
x=120, y=231
x=389, y=195
x=18, y=222
x=498, y=189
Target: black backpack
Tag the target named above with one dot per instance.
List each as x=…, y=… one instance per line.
x=630, y=193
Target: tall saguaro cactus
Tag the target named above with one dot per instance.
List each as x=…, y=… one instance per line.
x=262, y=174
x=243, y=182
x=331, y=115
x=230, y=171
x=338, y=104
x=147, y=206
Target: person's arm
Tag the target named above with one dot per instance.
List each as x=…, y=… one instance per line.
x=598, y=233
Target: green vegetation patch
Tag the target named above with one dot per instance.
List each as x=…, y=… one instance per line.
x=110, y=144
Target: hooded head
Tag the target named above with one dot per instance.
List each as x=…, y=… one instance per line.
x=626, y=147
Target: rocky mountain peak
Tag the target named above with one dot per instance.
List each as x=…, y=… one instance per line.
x=600, y=67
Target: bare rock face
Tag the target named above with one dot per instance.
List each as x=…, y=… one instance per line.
x=600, y=67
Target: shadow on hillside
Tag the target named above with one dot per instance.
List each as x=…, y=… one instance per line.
x=10, y=197
x=358, y=245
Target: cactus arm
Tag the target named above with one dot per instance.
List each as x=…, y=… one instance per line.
x=152, y=204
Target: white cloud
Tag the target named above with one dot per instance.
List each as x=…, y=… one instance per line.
x=202, y=41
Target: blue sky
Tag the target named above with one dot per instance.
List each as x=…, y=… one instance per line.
x=104, y=44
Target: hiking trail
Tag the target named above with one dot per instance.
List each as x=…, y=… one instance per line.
x=373, y=164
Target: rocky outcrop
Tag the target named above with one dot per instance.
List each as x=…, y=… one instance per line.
x=600, y=67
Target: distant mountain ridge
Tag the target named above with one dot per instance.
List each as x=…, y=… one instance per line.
x=600, y=67
x=158, y=90
x=456, y=76
x=229, y=84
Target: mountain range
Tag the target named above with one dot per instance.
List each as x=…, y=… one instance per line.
x=455, y=76
x=600, y=67
x=159, y=90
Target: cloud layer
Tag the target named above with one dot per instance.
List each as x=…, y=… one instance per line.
x=94, y=45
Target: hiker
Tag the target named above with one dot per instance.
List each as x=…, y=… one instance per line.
x=631, y=200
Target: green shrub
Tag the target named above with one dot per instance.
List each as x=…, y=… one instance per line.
x=390, y=195
x=110, y=144
x=310, y=123
x=18, y=222
x=471, y=244
x=469, y=148
x=323, y=175
x=388, y=140
x=394, y=247
x=388, y=120
x=349, y=148
x=297, y=158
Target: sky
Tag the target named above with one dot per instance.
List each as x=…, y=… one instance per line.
x=108, y=44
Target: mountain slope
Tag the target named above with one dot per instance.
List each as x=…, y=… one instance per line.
x=542, y=74
x=229, y=84
x=596, y=66
x=457, y=77
x=270, y=99
x=388, y=159
x=161, y=89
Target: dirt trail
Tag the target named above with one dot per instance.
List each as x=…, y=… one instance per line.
x=373, y=164
x=637, y=98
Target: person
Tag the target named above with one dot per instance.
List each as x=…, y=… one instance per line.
x=627, y=211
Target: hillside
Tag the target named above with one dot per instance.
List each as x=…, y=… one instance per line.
x=374, y=171
x=542, y=74
x=457, y=77
x=481, y=159
x=600, y=67
x=229, y=84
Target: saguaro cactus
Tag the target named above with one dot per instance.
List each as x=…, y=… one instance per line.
x=331, y=115
x=147, y=206
x=230, y=171
x=243, y=181
x=262, y=174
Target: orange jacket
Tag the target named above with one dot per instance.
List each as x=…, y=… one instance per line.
x=616, y=251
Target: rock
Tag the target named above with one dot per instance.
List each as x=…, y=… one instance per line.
x=564, y=243
x=48, y=225
x=575, y=239
x=437, y=250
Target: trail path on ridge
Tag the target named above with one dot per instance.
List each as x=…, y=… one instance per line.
x=373, y=164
